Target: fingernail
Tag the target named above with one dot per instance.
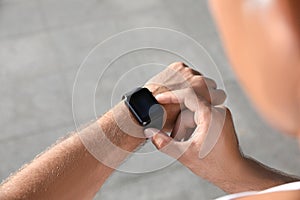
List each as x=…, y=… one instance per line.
x=149, y=132
x=159, y=96
x=159, y=141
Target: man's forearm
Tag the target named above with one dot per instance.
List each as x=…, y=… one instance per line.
x=266, y=177
x=68, y=170
x=252, y=175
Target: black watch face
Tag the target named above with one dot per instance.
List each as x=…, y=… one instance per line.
x=143, y=103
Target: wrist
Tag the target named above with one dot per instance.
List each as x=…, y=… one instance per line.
x=124, y=131
x=112, y=137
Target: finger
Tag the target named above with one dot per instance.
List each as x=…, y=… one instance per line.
x=209, y=138
x=167, y=145
x=167, y=98
x=198, y=105
x=184, y=123
x=150, y=132
x=206, y=87
x=188, y=99
x=193, y=71
x=217, y=96
x=210, y=83
x=175, y=97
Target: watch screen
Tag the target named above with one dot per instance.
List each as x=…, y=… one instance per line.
x=141, y=102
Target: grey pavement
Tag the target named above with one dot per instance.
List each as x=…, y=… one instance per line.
x=42, y=44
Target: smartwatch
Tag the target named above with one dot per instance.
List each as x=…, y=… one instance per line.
x=145, y=108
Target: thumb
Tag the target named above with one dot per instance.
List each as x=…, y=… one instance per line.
x=164, y=143
x=161, y=140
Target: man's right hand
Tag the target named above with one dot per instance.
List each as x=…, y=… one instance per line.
x=204, y=140
x=179, y=76
x=211, y=149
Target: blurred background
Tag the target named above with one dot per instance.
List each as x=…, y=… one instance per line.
x=43, y=42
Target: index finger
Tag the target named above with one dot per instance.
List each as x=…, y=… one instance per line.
x=186, y=97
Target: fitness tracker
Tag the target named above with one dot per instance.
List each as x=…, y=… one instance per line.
x=145, y=108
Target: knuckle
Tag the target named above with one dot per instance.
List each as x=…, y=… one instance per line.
x=188, y=70
x=190, y=73
x=187, y=73
x=161, y=144
x=198, y=80
x=194, y=144
x=180, y=64
x=177, y=65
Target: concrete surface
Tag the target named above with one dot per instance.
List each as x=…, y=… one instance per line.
x=42, y=43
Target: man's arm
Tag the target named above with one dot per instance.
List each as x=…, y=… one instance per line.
x=212, y=152
x=77, y=167
x=252, y=175
x=68, y=170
